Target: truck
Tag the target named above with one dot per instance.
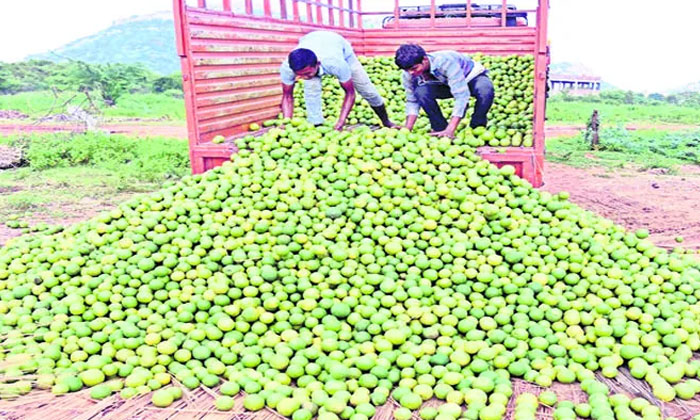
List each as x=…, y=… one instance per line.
x=230, y=52
x=486, y=14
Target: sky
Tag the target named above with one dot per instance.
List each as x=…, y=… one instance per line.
x=632, y=44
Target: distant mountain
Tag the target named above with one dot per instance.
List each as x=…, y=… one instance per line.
x=690, y=87
x=147, y=39
x=566, y=67
x=577, y=69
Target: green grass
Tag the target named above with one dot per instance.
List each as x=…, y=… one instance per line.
x=25, y=201
x=148, y=105
x=618, y=148
x=77, y=182
x=151, y=159
x=137, y=105
x=580, y=112
x=39, y=104
x=169, y=106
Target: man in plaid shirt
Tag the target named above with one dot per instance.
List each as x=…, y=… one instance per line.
x=440, y=75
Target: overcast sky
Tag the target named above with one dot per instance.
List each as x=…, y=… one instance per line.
x=645, y=45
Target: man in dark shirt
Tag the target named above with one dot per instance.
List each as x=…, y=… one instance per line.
x=440, y=75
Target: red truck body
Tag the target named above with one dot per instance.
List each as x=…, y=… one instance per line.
x=231, y=51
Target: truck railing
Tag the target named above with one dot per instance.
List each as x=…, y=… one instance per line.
x=331, y=13
x=231, y=50
x=470, y=15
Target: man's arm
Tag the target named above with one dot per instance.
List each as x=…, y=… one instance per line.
x=287, y=100
x=459, y=87
x=288, y=82
x=341, y=70
x=412, y=106
x=410, y=121
x=348, y=102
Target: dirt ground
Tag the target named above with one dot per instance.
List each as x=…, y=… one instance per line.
x=65, y=215
x=667, y=205
x=135, y=129
x=570, y=130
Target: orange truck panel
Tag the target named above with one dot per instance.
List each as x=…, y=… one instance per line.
x=230, y=61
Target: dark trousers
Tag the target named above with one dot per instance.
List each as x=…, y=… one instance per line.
x=429, y=92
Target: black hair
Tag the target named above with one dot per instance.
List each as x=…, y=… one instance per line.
x=301, y=58
x=408, y=55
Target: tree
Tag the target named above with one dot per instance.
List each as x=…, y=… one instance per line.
x=164, y=83
x=110, y=80
x=8, y=83
x=24, y=76
x=117, y=80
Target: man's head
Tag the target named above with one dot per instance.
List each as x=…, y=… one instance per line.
x=303, y=63
x=412, y=58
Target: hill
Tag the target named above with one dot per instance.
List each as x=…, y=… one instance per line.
x=690, y=87
x=147, y=39
x=567, y=67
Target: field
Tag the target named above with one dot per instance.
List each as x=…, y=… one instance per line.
x=620, y=148
x=559, y=112
x=636, y=174
x=44, y=105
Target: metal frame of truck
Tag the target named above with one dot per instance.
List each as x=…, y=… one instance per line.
x=459, y=10
x=230, y=55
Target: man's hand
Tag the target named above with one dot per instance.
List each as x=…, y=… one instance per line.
x=449, y=131
x=444, y=133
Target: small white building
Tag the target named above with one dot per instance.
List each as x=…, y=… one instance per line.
x=574, y=84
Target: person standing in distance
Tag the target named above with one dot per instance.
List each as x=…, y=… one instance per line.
x=324, y=52
x=441, y=75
